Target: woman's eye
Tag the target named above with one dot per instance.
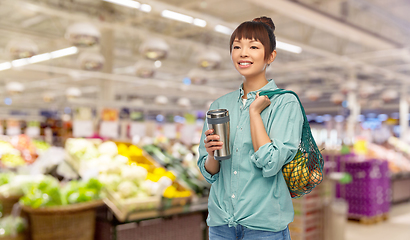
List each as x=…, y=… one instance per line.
x=236, y=47
x=254, y=47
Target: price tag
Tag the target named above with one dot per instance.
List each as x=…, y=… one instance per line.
x=109, y=129
x=187, y=133
x=33, y=131
x=83, y=128
x=11, y=131
x=170, y=130
x=137, y=129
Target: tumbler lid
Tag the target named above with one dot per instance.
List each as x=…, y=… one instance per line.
x=218, y=113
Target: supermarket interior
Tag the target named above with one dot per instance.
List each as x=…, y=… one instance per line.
x=103, y=104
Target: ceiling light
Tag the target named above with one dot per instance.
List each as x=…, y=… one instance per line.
x=19, y=62
x=83, y=34
x=21, y=48
x=73, y=92
x=199, y=22
x=209, y=59
x=288, y=47
x=154, y=48
x=125, y=3
x=92, y=61
x=40, y=58
x=5, y=66
x=64, y=52
x=177, y=16
x=145, y=69
x=223, y=29
x=14, y=87
x=146, y=8
x=157, y=64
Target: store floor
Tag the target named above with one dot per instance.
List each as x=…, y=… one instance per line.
x=397, y=227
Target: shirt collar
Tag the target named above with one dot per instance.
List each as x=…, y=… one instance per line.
x=271, y=85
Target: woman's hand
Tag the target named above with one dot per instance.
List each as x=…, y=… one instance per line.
x=260, y=103
x=212, y=142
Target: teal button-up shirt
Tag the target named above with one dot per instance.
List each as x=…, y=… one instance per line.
x=249, y=188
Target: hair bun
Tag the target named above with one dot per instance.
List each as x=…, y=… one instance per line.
x=267, y=20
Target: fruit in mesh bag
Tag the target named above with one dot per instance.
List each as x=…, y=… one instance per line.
x=315, y=177
x=288, y=168
x=299, y=177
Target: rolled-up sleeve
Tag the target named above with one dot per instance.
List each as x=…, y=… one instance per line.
x=285, y=134
x=203, y=155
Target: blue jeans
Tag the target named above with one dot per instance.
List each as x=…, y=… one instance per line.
x=242, y=233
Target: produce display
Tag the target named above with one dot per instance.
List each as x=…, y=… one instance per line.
x=131, y=181
x=41, y=146
x=178, y=158
x=49, y=192
x=11, y=226
x=20, y=150
x=15, y=185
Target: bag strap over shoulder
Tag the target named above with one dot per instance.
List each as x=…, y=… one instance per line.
x=279, y=91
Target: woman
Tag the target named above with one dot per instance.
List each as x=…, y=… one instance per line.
x=249, y=198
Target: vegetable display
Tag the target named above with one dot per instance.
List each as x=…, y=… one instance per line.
x=48, y=192
x=11, y=226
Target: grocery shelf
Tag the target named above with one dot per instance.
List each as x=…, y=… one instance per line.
x=122, y=227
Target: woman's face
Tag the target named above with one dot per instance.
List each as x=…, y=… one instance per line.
x=248, y=56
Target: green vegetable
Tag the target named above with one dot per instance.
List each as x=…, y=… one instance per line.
x=48, y=193
x=45, y=194
x=5, y=178
x=11, y=225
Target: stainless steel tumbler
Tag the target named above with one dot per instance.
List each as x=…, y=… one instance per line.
x=219, y=121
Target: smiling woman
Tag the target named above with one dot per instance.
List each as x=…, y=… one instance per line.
x=249, y=198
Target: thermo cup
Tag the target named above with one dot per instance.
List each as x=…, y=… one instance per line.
x=218, y=120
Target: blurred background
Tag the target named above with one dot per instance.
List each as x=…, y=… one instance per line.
x=102, y=104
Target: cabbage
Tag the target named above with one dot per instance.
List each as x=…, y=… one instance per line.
x=151, y=188
x=109, y=148
x=110, y=181
x=111, y=168
x=134, y=173
x=48, y=193
x=12, y=226
x=5, y=178
x=76, y=192
x=105, y=158
x=127, y=189
x=82, y=149
x=19, y=184
x=121, y=159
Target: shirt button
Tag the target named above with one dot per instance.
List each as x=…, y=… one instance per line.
x=235, y=172
x=236, y=150
x=233, y=195
x=241, y=128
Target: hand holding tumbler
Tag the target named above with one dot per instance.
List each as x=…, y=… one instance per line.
x=218, y=120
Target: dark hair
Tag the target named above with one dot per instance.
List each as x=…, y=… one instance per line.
x=261, y=29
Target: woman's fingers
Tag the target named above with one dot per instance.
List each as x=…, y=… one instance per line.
x=213, y=143
x=209, y=132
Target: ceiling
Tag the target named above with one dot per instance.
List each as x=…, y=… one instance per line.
x=366, y=41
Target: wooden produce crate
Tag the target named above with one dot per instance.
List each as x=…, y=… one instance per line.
x=122, y=208
x=20, y=236
x=76, y=221
x=177, y=201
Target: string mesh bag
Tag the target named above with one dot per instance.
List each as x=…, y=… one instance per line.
x=305, y=171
